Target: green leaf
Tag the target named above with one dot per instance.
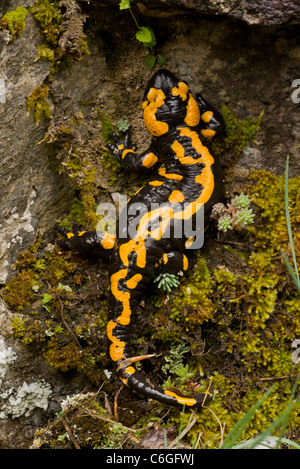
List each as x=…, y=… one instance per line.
x=150, y=61
x=146, y=36
x=161, y=59
x=124, y=4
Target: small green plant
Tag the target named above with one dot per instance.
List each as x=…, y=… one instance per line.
x=123, y=125
x=294, y=274
x=174, y=360
x=46, y=301
x=146, y=36
x=237, y=215
x=167, y=281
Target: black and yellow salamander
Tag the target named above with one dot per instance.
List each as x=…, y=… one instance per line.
x=188, y=178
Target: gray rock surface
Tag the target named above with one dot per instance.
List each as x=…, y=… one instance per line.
x=264, y=12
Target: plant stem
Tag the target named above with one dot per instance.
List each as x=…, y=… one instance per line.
x=134, y=18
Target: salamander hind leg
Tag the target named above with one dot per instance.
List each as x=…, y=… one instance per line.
x=175, y=262
x=211, y=121
x=89, y=243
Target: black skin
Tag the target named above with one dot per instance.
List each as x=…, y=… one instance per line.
x=151, y=255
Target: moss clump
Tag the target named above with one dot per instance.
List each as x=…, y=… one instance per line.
x=49, y=17
x=62, y=32
x=43, y=291
x=267, y=192
x=239, y=133
x=39, y=104
x=193, y=304
x=14, y=21
x=110, y=160
x=19, y=292
x=83, y=210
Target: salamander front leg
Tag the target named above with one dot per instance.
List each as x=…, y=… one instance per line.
x=88, y=243
x=212, y=123
x=125, y=152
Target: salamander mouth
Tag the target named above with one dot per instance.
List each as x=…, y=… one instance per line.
x=162, y=80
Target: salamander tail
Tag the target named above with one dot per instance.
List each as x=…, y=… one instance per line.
x=135, y=380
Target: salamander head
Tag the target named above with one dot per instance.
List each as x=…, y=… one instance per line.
x=168, y=103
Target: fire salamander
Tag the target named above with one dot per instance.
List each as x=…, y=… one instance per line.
x=188, y=178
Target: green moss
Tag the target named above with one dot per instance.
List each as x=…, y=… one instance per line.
x=84, y=208
x=18, y=292
x=239, y=133
x=43, y=291
x=38, y=103
x=62, y=32
x=110, y=160
x=48, y=15
x=193, y=304
x=267, y=192
x=14, y=21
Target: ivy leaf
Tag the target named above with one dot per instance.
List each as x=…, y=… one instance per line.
x=161, y=59
x=150, y=61
x=124, y=4
x=146, y=36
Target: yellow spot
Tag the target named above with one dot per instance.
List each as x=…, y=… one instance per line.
x=130, y=370
x=133, y=281
x=116, y=349
x=125, y=152
x=121, y=296
x=206, y=116
x=70, y=235
x=108, y=241
x=192, y=117
x=173, y=176
x=208, y=133
x=155, y=99
x=181, y=90
x=149, y=160
x=182, y=400
x=81, y=233
x=176, y=196
x=189, y=242
x=121, y=147
x=185, y=262
x=165, y=258
x=137, y=245
x=156, y=183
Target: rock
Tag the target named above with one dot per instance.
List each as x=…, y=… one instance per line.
x=264, y=12
x=267, y=12
x=32, y=192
